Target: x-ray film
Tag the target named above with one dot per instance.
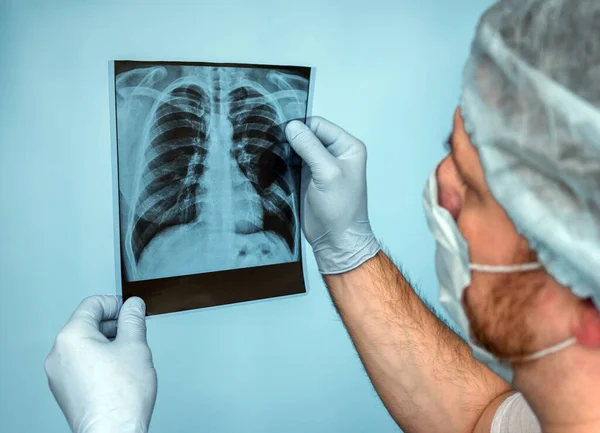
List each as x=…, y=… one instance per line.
x=207, y=189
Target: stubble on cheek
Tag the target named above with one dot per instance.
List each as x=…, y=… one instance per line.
x=500, y=309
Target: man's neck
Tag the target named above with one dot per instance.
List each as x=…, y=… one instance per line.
x=563, y=390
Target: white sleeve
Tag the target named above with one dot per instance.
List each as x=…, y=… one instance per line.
x=515, y=416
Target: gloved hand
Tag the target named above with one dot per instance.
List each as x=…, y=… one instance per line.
x=101, y=385
x=335, y=218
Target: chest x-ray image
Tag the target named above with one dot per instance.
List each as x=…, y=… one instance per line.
x=208, y=187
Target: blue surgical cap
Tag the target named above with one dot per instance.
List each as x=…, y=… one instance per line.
x=531, y=105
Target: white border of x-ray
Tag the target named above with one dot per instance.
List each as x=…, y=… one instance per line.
x=304, y=247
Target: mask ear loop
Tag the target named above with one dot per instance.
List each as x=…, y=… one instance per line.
x=505, y=269
x=542, y=353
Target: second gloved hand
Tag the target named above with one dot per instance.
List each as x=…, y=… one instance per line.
x=103, y=385
x=335, y=217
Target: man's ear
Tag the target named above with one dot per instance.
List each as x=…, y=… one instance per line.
x=587, y=328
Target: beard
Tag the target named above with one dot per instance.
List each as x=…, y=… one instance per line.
x=500, y=309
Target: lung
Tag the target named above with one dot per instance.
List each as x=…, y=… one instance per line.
x=174, y=164
x=263, y=156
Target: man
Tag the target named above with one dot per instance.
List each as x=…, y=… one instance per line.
x=515, y=211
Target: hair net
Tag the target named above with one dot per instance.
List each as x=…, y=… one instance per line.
x=531, y=105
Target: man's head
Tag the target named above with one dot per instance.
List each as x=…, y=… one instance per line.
x=522, y=178
x=522, y=183
x=512, y=314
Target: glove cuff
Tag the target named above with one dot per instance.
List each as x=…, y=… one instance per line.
x=346, y=254
x=129, y=426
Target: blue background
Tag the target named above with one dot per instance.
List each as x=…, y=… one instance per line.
x=387, y=71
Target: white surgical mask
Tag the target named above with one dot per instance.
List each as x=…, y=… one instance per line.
x=454, y=275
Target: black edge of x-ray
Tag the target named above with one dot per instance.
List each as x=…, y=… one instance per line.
x=191, y=292
x=166, y=198
x=126, y=65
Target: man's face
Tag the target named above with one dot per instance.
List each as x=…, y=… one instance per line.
x=504, y=310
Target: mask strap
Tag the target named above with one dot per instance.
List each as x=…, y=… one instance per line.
x=505, y=269
x=544, y=352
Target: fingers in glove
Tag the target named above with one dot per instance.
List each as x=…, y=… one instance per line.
x=308, y=146
x=327, y=131
x=322, y=164
x=337, y=140
x=132, y=320
x=108, y=328
x=94, y=310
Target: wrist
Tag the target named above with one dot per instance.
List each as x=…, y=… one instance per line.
x=343, y=253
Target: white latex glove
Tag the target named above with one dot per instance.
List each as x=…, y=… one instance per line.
x=335, y=220
x=104, y=384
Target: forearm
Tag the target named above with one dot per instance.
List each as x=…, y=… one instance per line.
x=423, y=372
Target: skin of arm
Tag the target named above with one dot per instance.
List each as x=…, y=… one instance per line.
x=423, y=371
